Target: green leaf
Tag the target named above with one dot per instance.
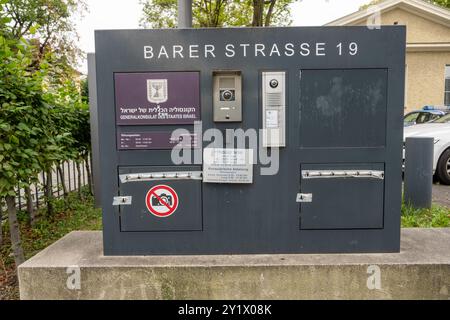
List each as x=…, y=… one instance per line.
x=5, y=20
x=33, y=29
x=23, y=126
x=14, y=139
x=5, y=126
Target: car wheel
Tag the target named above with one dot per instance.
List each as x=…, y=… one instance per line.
x=443, y=168
x=435, y=178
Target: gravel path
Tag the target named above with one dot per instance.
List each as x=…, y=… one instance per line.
x=441, y=195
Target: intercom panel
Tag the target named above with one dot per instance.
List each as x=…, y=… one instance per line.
x=274, y=108
x=227, y=96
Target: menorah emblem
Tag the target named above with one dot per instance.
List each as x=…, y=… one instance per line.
x=156, y=86
x=157, y=91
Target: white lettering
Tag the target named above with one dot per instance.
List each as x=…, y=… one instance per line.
x=374, y=279
x=178, y=50
x=193, y=51
x=304, y=49
x=244, y=46
x=259, y=47
x=163, y=51
x=189, y=310
x=148, y=52
x=274, y=49
x=209, y=49
x=353, y=48
x=229, y=50
x=289, y=47
x=320, y=49
x=232, y=50
x=74, y=279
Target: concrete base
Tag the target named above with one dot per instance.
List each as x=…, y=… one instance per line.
x=75, y=268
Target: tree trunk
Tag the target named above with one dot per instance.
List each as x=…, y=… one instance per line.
x=89, y=176
x=30, y=207
x=63, y=181
x=80, y=194
x=49, y=192
x=258, y=13
x=1, y=225
x=14, y=231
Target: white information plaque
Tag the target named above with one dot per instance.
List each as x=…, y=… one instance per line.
x=227, y=165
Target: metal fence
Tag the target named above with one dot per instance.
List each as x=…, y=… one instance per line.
x=70, y=174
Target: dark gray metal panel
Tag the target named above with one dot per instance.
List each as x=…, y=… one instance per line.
x=262, y=217
x=93, y=113
x=343, y=108
x=419, y=171
x=343, y=202
x=137, y=217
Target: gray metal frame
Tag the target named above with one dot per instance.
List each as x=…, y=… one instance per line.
x=262, y=217
x=93, y=112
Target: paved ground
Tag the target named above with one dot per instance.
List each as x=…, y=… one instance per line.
x=441, y=195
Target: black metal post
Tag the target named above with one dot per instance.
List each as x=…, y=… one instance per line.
x=419, y=171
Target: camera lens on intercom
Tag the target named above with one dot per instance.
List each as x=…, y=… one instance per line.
x=273, y=83
x=167, y=199
x=227, y=95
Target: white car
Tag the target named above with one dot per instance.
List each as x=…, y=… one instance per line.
x=439, y=130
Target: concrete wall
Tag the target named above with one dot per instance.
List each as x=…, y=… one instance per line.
x=75, y=268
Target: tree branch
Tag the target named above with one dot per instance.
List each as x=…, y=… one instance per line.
x=269, y=13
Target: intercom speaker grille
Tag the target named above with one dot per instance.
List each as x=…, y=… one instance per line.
x=274, y=99
x=226, y=82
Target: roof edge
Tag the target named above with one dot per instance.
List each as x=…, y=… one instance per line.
x=420, y=7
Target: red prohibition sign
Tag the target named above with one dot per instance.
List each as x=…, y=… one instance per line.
x=161, y=201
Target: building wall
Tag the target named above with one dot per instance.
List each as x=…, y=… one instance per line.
x=425, y=74
x=419, y=30
x=424, y=70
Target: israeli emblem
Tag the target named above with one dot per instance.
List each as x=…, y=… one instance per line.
x=157, y=90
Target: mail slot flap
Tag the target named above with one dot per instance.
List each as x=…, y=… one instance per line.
x=160, y=205
x=343, y=196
